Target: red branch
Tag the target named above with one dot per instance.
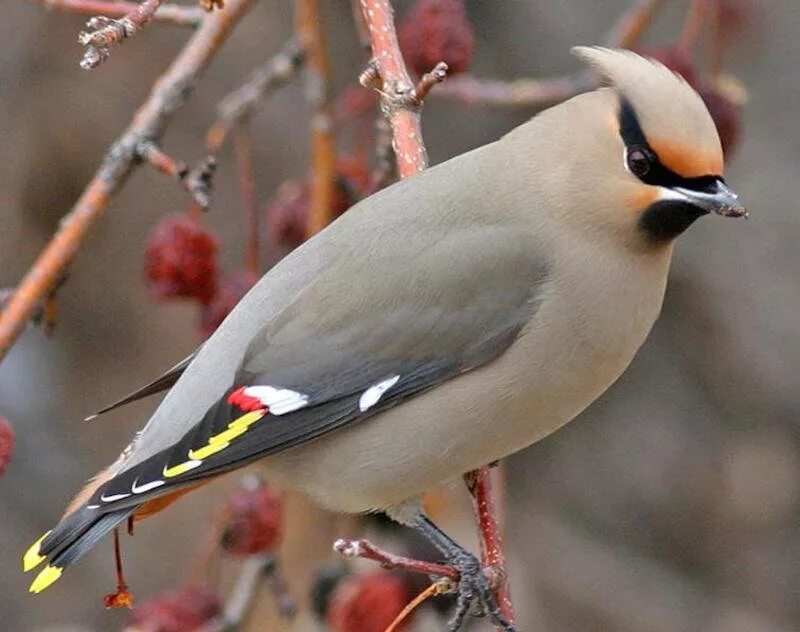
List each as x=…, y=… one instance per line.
x=168, y=94
x=396, y=88
x=174, y=14
x=493, y=559
x=365, y=549
x=106, y=33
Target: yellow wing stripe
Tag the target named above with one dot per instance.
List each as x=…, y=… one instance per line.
x=47, y=576
x=216, y=443
x=32, y=557
x=180, y=468
x=247, y=420
x=207, y=451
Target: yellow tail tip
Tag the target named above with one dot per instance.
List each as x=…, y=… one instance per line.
x=47, y=576
x=32, y=557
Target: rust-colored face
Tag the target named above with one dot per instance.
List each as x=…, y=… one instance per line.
x=687, y=161
x=678, y=184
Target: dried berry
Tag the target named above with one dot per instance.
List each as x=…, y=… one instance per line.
x=254, y=520
x=677, y=59
x=367, y=603
x=726, y=111
x=229, y=293
x=6, y=444
x=180, y=260
x=434, y=31
x=181, y=610
x=736, y=16
x=287, y=213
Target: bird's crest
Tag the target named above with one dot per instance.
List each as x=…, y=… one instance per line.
x=673, y=116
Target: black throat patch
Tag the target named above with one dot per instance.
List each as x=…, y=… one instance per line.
x=666, y=219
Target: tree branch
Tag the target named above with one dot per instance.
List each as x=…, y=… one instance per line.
x=479, y=484
x=312, y=39
x=240, y=103
x=167, y=96
x=390, y=76
x=368, y=551
x=106, y=33
x=170, y=13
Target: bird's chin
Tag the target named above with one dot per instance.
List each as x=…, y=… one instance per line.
x=665, y=220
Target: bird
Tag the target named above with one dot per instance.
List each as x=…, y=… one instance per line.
x=443, y=323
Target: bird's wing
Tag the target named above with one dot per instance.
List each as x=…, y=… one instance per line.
x=163, y=382
x=359, y=339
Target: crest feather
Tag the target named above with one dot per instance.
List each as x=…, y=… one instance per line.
x=671, y=113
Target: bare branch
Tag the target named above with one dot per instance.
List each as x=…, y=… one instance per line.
x=493, y=559
x=242, y=597
x=396, y=88
x=519, y=93
x=367, y=550
x=318, y=79
x=105, y=33
x=632, y=24
x=240, y=103
x=170, y=13
x=167, y=96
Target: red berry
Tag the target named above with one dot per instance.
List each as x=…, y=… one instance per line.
x=676, y=59
x=6, y=444
x=287, y=213
x=180, y=260
x=230, y=292
x=434, y=31
x=727, y=115
x=367, y=603
x=254, y=520
x=181, y=610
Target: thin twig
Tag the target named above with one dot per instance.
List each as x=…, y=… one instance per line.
x=693, y=24
x=541, y=93
x=429, y=79
x=240, y=103
x=197, y=181
x=171, y=13
x=105, y=33
x=631, y=25
x=247, y=189
x=242, y=597
x=309, y=32
x=167, y=96
x=367, y=550
x=519, y=93
x=430, y=591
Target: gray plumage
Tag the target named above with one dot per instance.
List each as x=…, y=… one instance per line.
x=492, y=298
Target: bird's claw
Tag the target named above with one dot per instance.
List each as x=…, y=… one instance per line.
x=475, y=595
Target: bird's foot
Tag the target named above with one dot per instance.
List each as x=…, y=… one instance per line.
x=475, y=593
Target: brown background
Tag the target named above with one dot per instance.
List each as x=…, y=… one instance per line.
x=671, y=504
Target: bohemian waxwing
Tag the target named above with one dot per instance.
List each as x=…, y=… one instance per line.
x=439, y=325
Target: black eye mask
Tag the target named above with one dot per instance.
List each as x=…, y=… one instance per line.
x=657, y=175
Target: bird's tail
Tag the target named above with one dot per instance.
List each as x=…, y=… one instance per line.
x=77, y=532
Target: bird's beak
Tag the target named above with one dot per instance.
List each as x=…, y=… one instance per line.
x=720, y=200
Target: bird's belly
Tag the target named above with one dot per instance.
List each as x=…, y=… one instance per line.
x=544, y=380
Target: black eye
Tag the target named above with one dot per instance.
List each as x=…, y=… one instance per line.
x=638, y=161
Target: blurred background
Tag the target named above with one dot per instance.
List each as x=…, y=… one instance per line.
x=670, y=505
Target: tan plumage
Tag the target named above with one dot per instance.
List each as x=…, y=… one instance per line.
x=443, y=323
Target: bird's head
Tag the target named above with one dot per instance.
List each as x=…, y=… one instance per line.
x=652, y=160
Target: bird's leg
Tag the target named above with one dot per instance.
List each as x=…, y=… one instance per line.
x=474, y=589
